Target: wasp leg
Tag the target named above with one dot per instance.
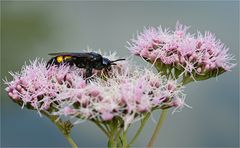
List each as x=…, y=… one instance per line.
x=50, y=62
x=70, y=62
x=88, y=74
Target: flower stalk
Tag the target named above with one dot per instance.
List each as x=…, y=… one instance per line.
x=105, y=131
x=157, y=128
x=64, y=128
x=142, y=124
x=124, y=139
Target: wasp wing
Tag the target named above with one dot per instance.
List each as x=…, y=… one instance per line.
x=74, y=54
x=86, y=56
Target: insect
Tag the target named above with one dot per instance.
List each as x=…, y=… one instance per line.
x=86, y=60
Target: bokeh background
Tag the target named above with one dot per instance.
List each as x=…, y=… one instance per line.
x=34, y=29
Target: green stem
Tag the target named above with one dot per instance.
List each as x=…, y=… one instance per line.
x=63, y=130
x=70, y=141
x=113, y=128
x=119, y=138
x=106, y=127
x=111, y=142
x=125, y=139
x=101, y=127
x=145, y=119
x=157, y=128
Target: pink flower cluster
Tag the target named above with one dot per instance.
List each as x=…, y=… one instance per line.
x=191, y=53
x=126, y=93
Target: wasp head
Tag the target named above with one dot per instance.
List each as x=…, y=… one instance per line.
x=107, y=63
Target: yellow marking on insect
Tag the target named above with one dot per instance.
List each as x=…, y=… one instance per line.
x=67, y=57
x=59, y=59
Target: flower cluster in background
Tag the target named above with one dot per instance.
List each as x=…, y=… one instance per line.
x=127, y=93
x=198, y=55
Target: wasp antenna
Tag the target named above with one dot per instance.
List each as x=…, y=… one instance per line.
x=118, y=60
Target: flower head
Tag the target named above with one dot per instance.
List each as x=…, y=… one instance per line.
x=125, y=92
x=202, y=56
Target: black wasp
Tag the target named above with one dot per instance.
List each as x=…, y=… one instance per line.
x=86, y=60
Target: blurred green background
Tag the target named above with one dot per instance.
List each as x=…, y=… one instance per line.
x=34, y=29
